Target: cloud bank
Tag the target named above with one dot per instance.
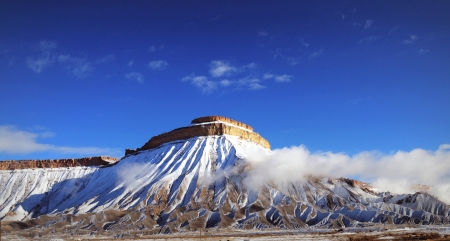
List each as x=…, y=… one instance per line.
x=396, y=172
x=15, y=141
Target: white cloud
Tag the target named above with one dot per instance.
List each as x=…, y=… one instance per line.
x=293, y=61
x=395, y=172
x=263, y=33
x=368, y=24
x=283, y=78
x=226, y=83
x=130, y=63
x=394, y=29
x=251, y=65
x=424, y=51
x=15, y=141
x=250, y=83
x=244, y=77
x=78, y=66
x=303, y=42
x=255, y=86
x=411, y=40
x=368, y=40
x=82, y=70
x=135, y=76
x=158, y=65
x=47, y=45
x=107, y=58
x=154, y=49
x=278, y=78
x=268, y=76
x=316, y=53
x=220, y=68
x=201, y=82
x=38, y=64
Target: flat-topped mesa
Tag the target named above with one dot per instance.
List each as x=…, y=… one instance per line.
x=206, y=126
x=29, y=164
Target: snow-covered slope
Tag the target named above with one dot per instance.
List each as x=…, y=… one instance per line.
x=199, y=182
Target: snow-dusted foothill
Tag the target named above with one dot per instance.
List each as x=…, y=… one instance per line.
x=200, y=182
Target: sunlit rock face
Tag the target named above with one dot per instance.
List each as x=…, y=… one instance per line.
x=197, y=177
x=206, y=126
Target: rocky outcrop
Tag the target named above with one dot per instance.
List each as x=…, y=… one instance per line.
x=222, y=119
x=87, y=161
x=205, y=126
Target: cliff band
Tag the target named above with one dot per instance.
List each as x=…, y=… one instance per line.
x=87, y=161
x=206, y=126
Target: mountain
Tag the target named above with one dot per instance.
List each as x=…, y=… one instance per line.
x=196, y=177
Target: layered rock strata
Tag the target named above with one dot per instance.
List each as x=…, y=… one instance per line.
x=207, y=119
x=206, y=126
x=87, y=161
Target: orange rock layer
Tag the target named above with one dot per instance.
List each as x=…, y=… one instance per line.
x=208, y=129
x=87, y=161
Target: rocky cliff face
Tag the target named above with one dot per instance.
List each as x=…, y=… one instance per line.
x=206, y=126
x=222, y=119
x=27, y=164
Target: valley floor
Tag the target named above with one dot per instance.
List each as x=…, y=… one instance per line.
x=374, y=232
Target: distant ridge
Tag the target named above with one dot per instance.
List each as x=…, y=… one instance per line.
x=86, y=161
x=206, y=126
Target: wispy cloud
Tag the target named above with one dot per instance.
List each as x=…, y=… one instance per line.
x=225, y=82
x=46, y=45
x=201, y=82
x=15, y=141
x=107, y=58
x=77, y=66
x=135, y=76
x=38, y=64
x=219, y=68
x=224, y=75
x=278, y=78
x=368, y=24
x=303, y=42
x=316, y=53
x=130, y=63
x=293, y=61
x=250, y=83
x=216, y=18
x=158, y=65
x=368, y=40
x=394, y=29
x=411, y=40
x=424, y=51
x=154, y=48
x=263, y=33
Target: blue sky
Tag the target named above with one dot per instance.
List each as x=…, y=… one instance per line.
x=83, y=78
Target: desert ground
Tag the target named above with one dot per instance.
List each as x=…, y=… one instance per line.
x=397, y=233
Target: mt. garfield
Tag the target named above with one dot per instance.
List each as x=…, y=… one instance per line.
x=195, y=177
